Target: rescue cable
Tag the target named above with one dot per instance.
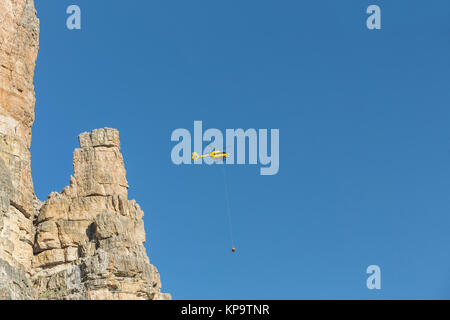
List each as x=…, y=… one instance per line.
x=220, y=155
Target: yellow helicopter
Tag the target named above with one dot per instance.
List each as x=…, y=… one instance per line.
x=216, y=155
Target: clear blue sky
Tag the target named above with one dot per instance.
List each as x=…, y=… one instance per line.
x=364, y=137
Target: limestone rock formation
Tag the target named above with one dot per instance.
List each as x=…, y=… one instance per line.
x=19, y=41
x=85, y=242
x=89, y=238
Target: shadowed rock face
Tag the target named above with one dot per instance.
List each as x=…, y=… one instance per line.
x=85, y=242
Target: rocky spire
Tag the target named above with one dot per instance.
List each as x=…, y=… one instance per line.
x=89, y=238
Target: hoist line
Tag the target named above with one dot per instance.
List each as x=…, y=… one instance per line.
x=227, y=198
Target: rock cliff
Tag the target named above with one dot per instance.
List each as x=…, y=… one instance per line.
x=85, y=242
